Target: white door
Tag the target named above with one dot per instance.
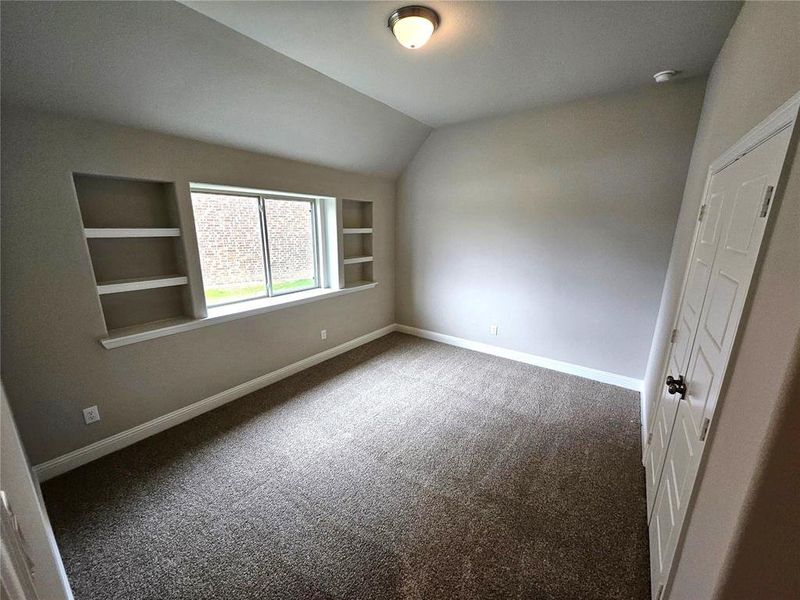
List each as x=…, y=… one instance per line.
x=684, y=333
x=28, y=551
x=744, y=190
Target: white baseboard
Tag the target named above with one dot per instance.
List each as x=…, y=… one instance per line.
x=81, y=456
x=531, y=359
x=643, y=422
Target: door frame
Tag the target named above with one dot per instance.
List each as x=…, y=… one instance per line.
x=38, y=557
x=785, y=116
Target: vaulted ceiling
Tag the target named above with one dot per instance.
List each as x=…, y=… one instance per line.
x=163, y=66
x=326, y=82
x=488, y=58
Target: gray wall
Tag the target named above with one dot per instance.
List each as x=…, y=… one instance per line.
x=757, y=70
x=555, y=224
x=53, y=365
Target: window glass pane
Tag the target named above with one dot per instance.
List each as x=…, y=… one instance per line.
x=231, y=249
x=290, y=232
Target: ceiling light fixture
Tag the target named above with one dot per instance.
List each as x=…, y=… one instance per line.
x=664, y=76
x=413, y=26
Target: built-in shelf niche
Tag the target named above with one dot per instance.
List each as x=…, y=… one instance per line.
x=356, y=214
x=357, y=233
x=133, y=235
x=142, y=307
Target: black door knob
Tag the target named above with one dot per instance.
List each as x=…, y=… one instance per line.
x=676, y=386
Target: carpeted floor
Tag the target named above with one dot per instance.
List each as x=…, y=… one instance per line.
x=402, y=469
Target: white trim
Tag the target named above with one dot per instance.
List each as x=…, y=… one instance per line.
x=131, y=232
x=643, y=431
x=25, y=495
x=531, y=359
x=76, y=458
x=142, y=283
x=237, y=190
x=781, y=118
x=221, y=314
x=356, y=230
x=353, y=260
x=354, y=285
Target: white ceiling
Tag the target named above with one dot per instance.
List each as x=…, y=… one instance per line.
x=488, y=57
x=325, y=82
x=165, y=67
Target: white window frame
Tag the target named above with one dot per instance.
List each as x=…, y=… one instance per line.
x=320, y=246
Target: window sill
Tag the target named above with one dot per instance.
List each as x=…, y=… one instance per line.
x=221, y=314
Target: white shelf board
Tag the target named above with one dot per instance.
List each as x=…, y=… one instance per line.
x=222, y=314
x=354, y=260
x=353, y=285
x=131, y=232
x=356, y=230
x=142, y=283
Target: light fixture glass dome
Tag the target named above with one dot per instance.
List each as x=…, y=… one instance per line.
x=413, y=25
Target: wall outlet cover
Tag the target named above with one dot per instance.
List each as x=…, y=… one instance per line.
x=91, y=414
x=323, y=334
x=493, y=329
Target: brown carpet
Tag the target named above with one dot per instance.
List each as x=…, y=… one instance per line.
x=402, y=469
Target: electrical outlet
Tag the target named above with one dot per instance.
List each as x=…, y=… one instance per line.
x=493, y=329
x=323, y=334
x=91, y=414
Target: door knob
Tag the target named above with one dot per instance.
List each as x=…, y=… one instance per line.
x=676, y=386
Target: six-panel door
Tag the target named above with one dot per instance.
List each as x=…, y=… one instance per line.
x=685, y=329
x=746, y=186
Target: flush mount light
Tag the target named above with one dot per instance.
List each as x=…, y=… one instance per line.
x=664, y=76
x=413, y=26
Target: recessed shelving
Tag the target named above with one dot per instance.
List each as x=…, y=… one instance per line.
x=357, y=249
x=354, y=260
x=140, y=283
x=133, y=232
x=133, y=237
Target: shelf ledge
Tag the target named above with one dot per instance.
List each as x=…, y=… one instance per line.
x=353, y=260
x=222, y=314
x=359, y=284
x=131, y=232
x=356, y=230
x=143, y=283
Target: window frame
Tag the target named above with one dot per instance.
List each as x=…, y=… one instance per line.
x=261, y=197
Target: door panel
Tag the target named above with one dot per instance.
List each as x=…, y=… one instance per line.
x=683, y=339
x=720, y=307
x=745, y=215
x=657, y=449
x=741, y=225
x=709, y=231
x=696, y=290
x=673, y=497
x=686, y=330
x=701, y=374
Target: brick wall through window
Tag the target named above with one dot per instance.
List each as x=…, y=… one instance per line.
x=229, y=240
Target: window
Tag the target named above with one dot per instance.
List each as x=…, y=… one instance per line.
x=255, y=245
